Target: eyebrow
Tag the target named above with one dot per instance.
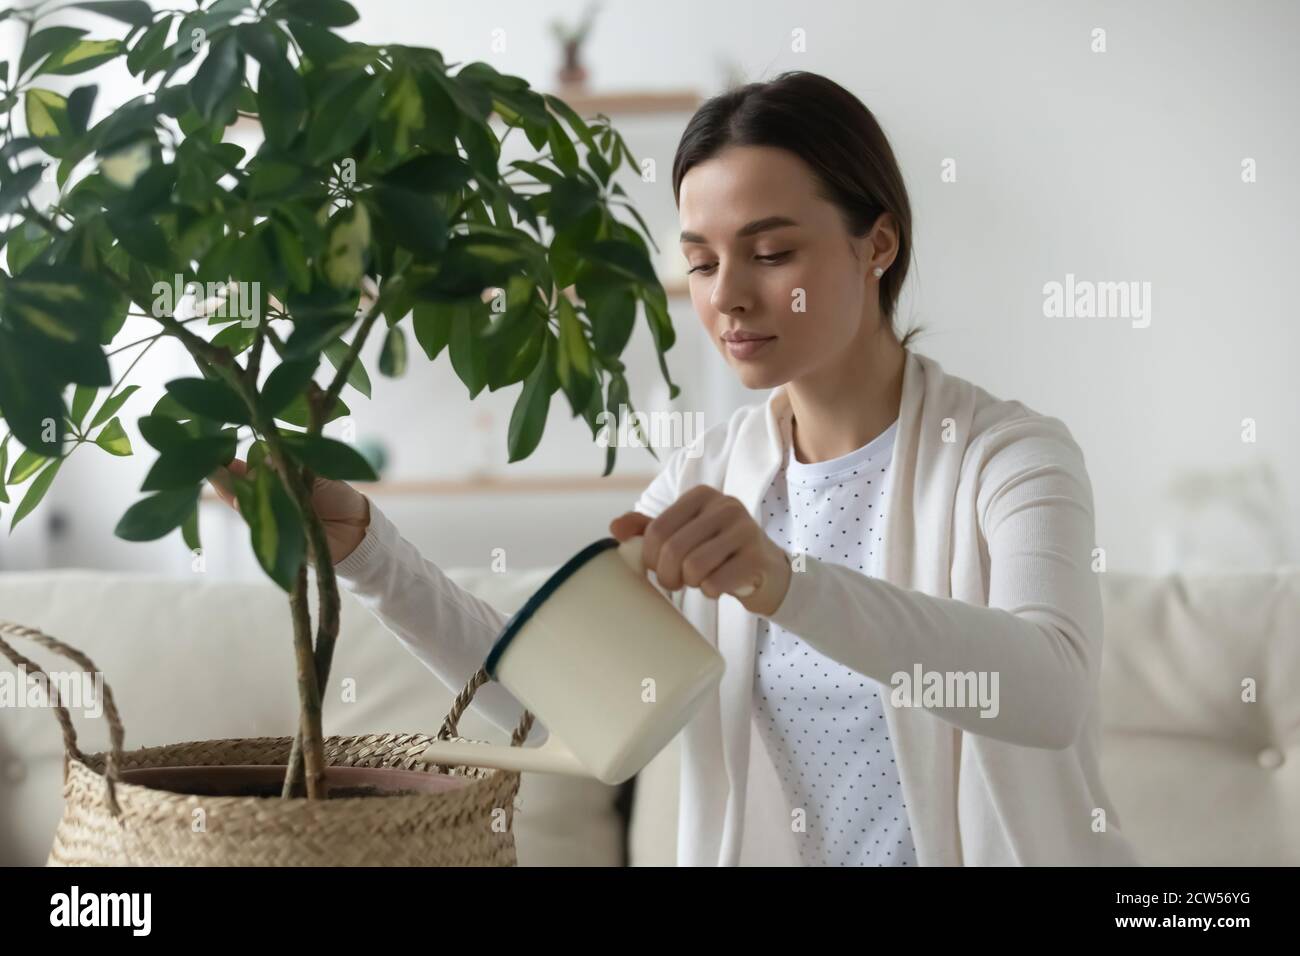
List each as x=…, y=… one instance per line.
x=757, y=226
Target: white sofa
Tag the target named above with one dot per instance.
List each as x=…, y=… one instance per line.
x=1198, y=775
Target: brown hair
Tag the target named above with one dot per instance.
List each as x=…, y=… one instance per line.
x=832, y=131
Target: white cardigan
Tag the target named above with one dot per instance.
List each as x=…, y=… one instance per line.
x=989, y=537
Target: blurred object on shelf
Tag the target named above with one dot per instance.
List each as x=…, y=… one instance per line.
x=1225, y=520
x=572, y=76
x=485, y=447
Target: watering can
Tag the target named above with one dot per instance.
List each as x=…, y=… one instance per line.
x=611, y=668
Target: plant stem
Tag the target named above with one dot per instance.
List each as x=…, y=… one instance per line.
x=308, y=694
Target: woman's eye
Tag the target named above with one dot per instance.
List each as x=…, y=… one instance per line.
x=771, y=259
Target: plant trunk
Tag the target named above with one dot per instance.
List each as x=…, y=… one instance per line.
x=309, y=730
x=326, y=636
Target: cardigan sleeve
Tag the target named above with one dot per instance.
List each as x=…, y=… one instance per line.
x=1040, y=634
x=446, y=628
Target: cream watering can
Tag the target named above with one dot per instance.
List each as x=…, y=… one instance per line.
x=608, y=665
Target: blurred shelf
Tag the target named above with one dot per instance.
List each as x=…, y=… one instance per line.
x=495, y=485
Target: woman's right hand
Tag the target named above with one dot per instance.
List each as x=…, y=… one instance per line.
x=344, y=511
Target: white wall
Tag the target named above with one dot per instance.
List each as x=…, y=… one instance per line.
x=1115, y=166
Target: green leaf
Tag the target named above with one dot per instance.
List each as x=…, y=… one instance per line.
x=80, y=103
x=573, y=359
x=432, y=323
x=281, y=97
x=162, y=432
x=44, y=42
x=528, y=419
x=31, y=399
x=82, y=399
x=16, y=188
x=190, y=531
x=214, y=400
x=566, y=157
x=575, y=122
x=322, y=13
x=113, y=439
x=112, y=404
x=147, y=49
x=135, y=12
x=35, y=492
x=349, y=247
x=62, y=302
x=468, y=356
x=4, y=463
x=334, y=129
x=80, y=57
x=625, y=258
x=155, y=516
x=26, y=465
x=295, y=413
x=237, y=337
x=47, y=113
x=286, y=381
x=192, y=461
x=290, y=253
x=358, y=377
x=418, y=221
x=216, y=83
x=611, y=307
x=329, y=458
x=392, y=360
x=661, y=329
x=26, y=245
x=274, y=525
x=257, y=453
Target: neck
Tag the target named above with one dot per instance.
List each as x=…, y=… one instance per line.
x=843, y=406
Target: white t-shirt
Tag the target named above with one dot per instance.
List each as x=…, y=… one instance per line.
x=823, y=723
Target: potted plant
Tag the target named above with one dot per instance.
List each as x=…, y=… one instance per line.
x=376, y=205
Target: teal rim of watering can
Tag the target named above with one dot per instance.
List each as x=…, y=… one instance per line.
x=520, y=617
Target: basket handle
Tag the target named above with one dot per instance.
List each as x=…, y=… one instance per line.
x=462, y=701
x=115, y=733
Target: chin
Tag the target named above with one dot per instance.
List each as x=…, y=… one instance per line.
x=758, y=378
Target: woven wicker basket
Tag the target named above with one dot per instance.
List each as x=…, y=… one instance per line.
x=108, y=821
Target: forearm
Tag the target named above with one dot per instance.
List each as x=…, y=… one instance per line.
x=1040, y=656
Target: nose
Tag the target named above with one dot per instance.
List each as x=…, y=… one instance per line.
x=731, y=291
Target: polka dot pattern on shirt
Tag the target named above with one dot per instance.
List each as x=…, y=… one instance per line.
x=824, y=724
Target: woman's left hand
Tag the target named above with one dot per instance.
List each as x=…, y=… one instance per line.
x=708, y=540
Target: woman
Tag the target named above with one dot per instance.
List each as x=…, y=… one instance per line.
x=895, y=565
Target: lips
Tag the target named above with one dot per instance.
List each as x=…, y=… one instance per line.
x=744, y=345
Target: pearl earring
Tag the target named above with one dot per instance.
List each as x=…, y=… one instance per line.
x=878, y=272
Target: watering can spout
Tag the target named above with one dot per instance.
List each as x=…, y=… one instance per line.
x=551, y=757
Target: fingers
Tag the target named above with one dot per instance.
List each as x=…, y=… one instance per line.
x=629, y=525
x=684, y=559
x=707, y=558
x=676, y=516
x=221, y=484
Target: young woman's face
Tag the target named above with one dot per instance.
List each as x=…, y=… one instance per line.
x=770, y=260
